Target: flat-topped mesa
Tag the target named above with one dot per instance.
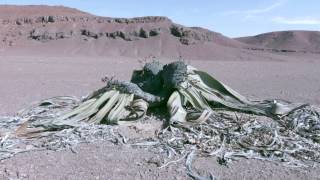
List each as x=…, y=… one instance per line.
x=16, y=11
x=146, y=19
x=93, y=19
x=29, y=14
x=95, y=27
x=72, y=31
x=50, y=14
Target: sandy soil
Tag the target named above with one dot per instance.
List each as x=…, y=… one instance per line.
x=25, y=79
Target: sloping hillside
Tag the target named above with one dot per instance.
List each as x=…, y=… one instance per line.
x=306, y=41
x=61, y=30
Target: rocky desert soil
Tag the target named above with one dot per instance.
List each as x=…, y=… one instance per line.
x=49, y=51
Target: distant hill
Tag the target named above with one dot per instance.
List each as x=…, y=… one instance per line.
x=58, y=30
x=16, y=11
x=307, y=41
x=62, y=30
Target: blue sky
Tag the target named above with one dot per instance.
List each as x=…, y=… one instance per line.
x=233, y=18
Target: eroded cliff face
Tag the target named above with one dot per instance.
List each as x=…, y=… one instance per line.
x=46, y=28
x=61, y=26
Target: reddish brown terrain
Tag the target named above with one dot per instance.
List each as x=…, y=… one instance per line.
x=65, y=31
x=51, y=50
x=302, y=41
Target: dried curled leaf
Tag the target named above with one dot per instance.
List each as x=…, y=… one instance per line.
x=110, y=107
x=176, y=110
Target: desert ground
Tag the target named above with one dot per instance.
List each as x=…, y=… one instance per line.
x=29, y=78
x=48, y=51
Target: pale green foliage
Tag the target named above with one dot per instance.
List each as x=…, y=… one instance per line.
x=205, y=115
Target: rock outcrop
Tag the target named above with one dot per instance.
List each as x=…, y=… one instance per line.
x=80, y=32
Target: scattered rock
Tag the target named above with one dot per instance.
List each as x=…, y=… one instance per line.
x=88, y=33
x=176, y=31
x=154, y=32
x=45, y=19
x=143, y=33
